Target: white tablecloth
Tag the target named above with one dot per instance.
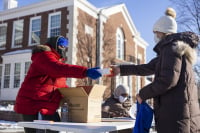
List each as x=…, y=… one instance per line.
x=105, y=126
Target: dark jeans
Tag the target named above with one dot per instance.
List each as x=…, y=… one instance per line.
x=54, y=117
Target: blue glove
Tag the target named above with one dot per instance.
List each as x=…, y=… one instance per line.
x=93, y=73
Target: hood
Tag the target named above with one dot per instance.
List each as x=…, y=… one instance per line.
x=184, y=43
x=40, y=48
x=121, y=89
x=54, y=42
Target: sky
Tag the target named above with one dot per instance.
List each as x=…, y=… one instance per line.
x=144, y=14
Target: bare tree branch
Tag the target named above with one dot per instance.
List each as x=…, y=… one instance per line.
x=189, y=19
x=86, y=46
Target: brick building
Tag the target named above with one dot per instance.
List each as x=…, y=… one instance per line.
x=97, y=37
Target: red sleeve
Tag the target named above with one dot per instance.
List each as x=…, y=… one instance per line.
x=47, y=63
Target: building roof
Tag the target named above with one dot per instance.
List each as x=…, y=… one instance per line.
x=18, y=52
x=83, y=4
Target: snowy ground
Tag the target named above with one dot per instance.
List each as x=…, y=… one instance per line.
x=7, y=108
x=9, y=126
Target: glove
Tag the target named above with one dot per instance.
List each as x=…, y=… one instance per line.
x=93, y=73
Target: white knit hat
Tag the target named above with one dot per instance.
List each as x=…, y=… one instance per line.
x=167, y=23
x=121, y=89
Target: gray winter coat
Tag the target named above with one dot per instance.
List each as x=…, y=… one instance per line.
x=174, y=89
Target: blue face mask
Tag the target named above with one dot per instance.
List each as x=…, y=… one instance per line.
x=63, y=42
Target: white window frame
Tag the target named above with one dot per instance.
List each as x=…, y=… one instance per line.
x=30, y=30
x=89, y=30
x=2, y=25
x=49, y=22
x=3, y=77
x=26, y=69
x=122, y=80
x=1, y=74
x=16, y=75
x=119, y=44
x=138, y=85
x=13, y=35
x=12, y=59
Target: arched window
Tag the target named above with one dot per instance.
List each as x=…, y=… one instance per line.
x=120, y=44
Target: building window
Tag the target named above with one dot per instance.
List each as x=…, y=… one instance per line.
x=0, y=74
x=3, y=32
x=119, y=80
x=7, y=76
x=139, y=58
x=89, y=30
x=27, y=65
x=17, y=33
x=54, y=24
x=120, y=44
x=35, y=30
x=15, y=66
x=138, y=87
x=17, y=75
x=122, y=80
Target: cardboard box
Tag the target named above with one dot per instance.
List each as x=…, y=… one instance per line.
x=84, y=102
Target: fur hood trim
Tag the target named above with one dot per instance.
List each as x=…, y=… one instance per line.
x=40, y=48
x=183, y=43
x=182, y=48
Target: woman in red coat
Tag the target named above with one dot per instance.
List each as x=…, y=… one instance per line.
x=38, y=92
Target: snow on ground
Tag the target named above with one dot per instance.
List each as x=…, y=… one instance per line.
x=7, y=108
x=8, y=125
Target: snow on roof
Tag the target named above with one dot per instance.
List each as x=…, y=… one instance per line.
x=18, y=52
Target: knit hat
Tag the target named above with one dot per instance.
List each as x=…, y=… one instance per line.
x=167, y=23
x=121, y=89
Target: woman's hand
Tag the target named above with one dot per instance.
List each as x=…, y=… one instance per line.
x=139, y=99
x=115, y=70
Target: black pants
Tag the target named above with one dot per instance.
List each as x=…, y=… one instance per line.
x=55, y=117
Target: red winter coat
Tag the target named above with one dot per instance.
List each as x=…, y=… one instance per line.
x=38, y=92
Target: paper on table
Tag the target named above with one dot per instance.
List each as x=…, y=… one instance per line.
x=43, y=121
x=133, y=111
x=104, y=71
x=119, y=119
